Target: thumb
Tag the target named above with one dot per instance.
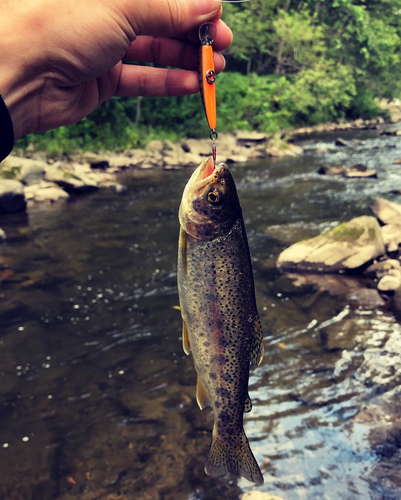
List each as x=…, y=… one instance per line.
x=169, y=17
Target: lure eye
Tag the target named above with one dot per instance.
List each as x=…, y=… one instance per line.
x=214, y=196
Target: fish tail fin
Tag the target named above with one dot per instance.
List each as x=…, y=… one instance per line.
x=222, y=458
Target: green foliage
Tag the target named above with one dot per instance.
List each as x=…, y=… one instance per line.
x=291, y=63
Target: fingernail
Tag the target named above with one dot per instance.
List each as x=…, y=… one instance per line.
x=208, y=6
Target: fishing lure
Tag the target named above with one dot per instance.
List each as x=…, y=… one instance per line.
x=207, y=79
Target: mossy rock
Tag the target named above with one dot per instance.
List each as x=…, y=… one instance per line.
x=348, y=246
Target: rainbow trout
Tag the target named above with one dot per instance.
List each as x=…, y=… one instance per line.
x=221, y=325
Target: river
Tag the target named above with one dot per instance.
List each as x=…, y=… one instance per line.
x=97, y=398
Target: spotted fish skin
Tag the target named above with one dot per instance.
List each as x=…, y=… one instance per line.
x=221, y=324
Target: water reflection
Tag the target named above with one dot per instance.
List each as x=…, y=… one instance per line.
x=98, y=399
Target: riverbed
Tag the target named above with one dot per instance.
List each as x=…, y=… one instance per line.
x=97, y=398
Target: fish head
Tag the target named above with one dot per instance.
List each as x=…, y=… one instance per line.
x=210, y=203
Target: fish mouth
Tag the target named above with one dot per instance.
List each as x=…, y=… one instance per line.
x=207, y=172
x=207, y=168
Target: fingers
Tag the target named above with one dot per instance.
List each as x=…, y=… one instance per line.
x=156, y=82
x=167, y=17
x=169, y=52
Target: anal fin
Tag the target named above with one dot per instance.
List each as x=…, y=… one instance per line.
x=202, y=396
x=248, y=404
x=185, y=339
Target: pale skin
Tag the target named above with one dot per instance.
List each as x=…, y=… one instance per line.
x=60, y=59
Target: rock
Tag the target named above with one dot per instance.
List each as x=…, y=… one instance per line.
x=65, y=176
x=340, y=142
x=155, y=146
x=328, y=170
x=366, y=298
x=359, y=172
x=380, y=269
x=200, y=147
x=236, y=159
x=259, y=495
x=123, y=162
x=31, y=171
x=348, y=246
x=243, y=136
x=321, y=150
x=25, y=170
x=120, y=188
x=3, y=235
x=392, y=237
x=389, y=283
x=387, y=211
x=97, y=162
x=45, y=191
x=358, y=142
x=388, y=132
x=397, y=162
x=278, y=148
x=12, y=198
x=180, y=158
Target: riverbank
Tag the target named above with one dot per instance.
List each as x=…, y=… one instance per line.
x=29, y=177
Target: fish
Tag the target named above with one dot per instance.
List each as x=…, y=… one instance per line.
x=221, y=325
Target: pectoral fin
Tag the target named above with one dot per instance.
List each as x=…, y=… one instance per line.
x=185, y=339
x=257, y=343
x=248, y=404
x=202, y=396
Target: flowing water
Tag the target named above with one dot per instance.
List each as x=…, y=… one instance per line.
x=97, y=399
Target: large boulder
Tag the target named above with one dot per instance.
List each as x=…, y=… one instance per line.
x=387, y=211
x=12, y=197
x=348, y=246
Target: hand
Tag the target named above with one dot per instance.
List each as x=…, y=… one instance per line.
x=60, y=59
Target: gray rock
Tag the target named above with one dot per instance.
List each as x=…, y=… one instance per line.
x=340, y=142
x=200, y=147
x=359, y=172
x=380, y=269
x=389, y=283
x=12, y=197
x=32, y=173
x=279, y=148
x=332, y=170
x=45, y=191
x=96, y=161
x=244, y=136
x=67, y=178
x=387, y=211
x=392, y=237
x=348, y=246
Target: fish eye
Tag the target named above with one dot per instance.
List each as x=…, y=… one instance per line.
x=214, y=196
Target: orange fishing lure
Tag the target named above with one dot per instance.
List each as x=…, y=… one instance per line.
x=207, y=78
